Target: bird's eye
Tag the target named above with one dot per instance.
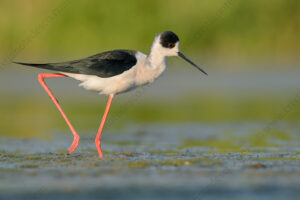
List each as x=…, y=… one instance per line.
x=171, y=45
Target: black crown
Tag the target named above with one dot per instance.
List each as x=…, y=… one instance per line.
x=168, y=39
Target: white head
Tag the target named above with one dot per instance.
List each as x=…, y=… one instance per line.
x=167, y=44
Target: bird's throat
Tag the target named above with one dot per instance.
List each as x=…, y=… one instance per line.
x=156, y=59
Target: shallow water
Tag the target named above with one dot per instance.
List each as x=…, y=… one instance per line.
x=186, y=161
x=177, y=80
x=242, y=142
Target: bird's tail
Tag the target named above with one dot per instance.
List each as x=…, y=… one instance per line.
x=43, y=66
x=61, y=67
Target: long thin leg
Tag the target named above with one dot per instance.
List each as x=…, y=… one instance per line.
x=55, y=75
x=98, y=137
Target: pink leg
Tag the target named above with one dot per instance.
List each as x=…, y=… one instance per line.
x=98, y=137
x=76, y=136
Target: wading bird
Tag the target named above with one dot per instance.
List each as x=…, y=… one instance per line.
x=113, y=72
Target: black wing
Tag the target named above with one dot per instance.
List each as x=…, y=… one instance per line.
x=106, y=64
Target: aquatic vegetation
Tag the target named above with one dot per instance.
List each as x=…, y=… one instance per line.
x=31, y=118
x=244, y=144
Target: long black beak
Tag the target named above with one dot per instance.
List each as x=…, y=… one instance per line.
x=185, y=58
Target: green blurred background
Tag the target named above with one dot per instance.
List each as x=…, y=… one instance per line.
x=249, y=48
x=222, y=28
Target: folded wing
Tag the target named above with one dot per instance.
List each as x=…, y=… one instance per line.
x=106, y=64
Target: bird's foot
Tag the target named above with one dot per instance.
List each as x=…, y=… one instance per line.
x=98, y=145
x=74, y=144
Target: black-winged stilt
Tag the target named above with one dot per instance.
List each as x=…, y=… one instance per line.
x=114, y=72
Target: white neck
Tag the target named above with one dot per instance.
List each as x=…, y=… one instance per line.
x=156, y=57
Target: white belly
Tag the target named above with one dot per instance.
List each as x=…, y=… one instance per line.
x=112, y=85
x=140, y=74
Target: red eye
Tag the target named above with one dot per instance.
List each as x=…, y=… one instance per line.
x=171, y=45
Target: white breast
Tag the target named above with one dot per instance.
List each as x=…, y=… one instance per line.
x=140, y=74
